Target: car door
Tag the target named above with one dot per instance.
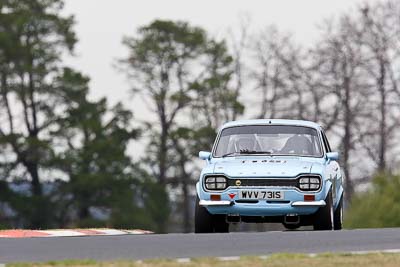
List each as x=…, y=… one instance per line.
x=333, y=169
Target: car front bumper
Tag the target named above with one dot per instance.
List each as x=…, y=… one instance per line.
x=222, y=203
x=293, y=203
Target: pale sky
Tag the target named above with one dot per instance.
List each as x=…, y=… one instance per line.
x=101, y=25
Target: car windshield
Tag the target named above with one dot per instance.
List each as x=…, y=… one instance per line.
x=268, y=139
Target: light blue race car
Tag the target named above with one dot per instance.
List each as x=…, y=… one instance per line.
x=278, y=171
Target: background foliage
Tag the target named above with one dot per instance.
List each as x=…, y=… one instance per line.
x=378, y=207
x=65, y=160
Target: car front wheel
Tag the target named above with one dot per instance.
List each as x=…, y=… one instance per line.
x=338, y=216
x=324, y=217
x=291, y=226
x=208, y=223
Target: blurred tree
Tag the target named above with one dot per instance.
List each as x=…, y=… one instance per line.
x=70, y=151
x=102, y=181
x=181, y=72
x=33, y=36
x=215, y=101
x=162, y=64
x=355, y=68
x=338, y=60
x=268, y=71
x=216, y=97
x=377, y=207
x=277, y=73
x=380, y=41
x=238, y=44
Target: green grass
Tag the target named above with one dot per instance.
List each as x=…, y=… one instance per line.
x=276, y=260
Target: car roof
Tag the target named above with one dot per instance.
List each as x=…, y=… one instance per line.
x=272, y=122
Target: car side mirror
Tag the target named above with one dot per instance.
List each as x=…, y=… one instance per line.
x=204, y=155
x=332, y=155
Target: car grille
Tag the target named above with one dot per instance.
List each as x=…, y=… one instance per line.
x=262, y=182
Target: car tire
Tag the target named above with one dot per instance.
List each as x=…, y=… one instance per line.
x=324, y=218
x=291, y=226
x=338, y=216
x=220, y=224
x=207, y=223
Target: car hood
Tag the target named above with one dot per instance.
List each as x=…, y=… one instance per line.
x=244, y=167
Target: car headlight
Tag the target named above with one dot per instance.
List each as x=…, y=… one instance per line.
x=215, y=183
x=309, y=183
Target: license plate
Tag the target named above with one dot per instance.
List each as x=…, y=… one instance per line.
x=261, y=194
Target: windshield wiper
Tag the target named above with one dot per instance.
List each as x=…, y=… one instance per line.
x=247, y=152
x=230, y=154
x=255, y=152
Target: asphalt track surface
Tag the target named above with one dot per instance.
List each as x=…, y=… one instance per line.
x=190, y=245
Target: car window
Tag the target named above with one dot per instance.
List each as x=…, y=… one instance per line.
x=273, y=139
